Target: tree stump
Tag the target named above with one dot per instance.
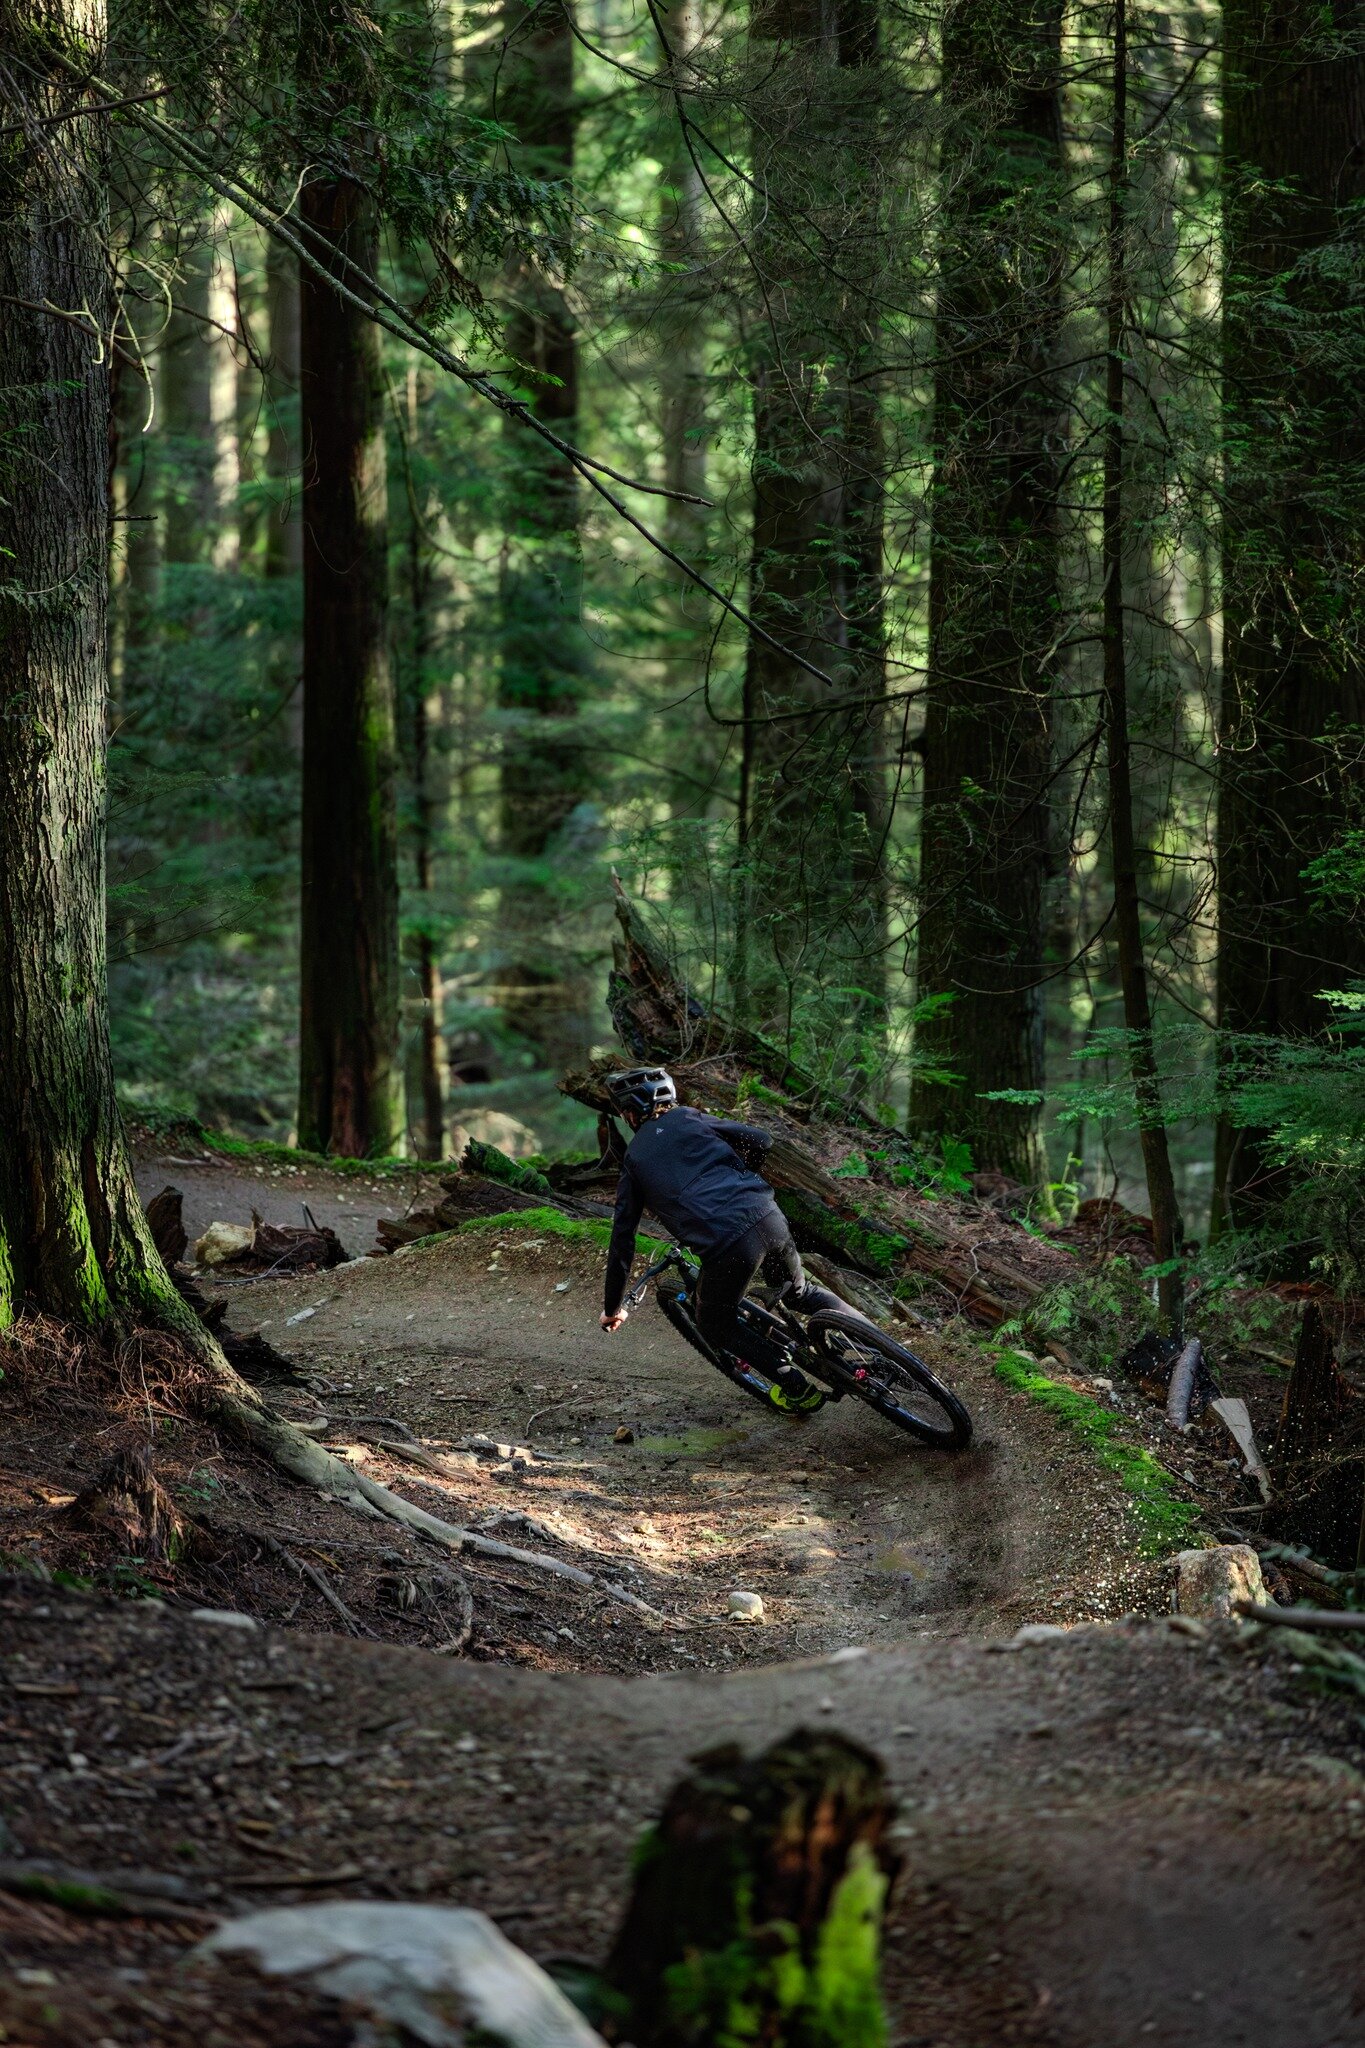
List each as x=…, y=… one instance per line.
x=126, y=1501
x=166, y=1222
x=757, y=1910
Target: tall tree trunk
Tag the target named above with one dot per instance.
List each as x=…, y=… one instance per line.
x=682, y=239
x=861, y=603
x=547, y=771
x=283, y=525
x=219, y=342
x=186, y=364
x=424, y=710
x=73, y=1239
x=284, y=532
x=984, y=840
x=810, y=823
x=692, y=752
x=1137, y=1009
x=349, y=1091
x=1293, y=702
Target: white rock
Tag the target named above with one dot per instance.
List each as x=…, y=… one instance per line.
x=405, y=1963
x=744, y=1606
x=301, y=1317
x=1036, y=1632
x=221, y=1241
x=224, y=1617
x=1207, y=1582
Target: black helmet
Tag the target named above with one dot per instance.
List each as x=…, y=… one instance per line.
x=640, y=1091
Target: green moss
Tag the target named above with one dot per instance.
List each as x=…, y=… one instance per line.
x=292, y=1155
x=761, y=1987
x=495, y=1165
x=550, y=1223
x=1166, y=1519
x=844, y=1998
x=73, y=1896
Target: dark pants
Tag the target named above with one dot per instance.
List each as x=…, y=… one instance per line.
x=727, y=1276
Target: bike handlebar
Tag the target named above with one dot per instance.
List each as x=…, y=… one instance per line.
x=674, y=1256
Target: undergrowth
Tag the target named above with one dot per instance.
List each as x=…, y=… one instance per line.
x=1166, y=1520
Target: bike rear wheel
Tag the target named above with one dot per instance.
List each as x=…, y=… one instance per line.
x=677, y=1308
x=866, y=1362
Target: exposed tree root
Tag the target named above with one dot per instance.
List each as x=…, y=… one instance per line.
x=303, y=1459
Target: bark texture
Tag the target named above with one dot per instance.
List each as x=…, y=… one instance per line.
x=984, y=851
x=73, y=1239
x=1294, y=534
x=812, y=774
x=1167, y=1226
x=349, y=1092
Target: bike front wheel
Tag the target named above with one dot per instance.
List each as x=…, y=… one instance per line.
x=866, y=1362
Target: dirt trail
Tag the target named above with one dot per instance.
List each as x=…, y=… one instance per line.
x=848, y=1530
x=1130, y=1834
x=1125, y=1836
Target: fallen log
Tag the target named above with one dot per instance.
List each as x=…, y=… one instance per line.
x=847, y=1201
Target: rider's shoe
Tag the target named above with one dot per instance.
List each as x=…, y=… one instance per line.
x=794, y=1394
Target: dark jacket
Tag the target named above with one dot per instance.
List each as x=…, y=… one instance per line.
x=688, y=1170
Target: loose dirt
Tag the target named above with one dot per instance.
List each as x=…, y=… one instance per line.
x=1124, y=1835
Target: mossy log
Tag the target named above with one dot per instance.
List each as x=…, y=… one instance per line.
x=756, y=1916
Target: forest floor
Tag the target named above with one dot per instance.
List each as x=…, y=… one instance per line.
x=1141, y=1830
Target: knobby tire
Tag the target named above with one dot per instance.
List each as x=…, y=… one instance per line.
x=893, y=1377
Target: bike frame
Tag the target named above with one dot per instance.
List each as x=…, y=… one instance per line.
x=784, y=1323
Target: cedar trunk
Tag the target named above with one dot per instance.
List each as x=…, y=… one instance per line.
x=548, y=770
x=73, y=1239
x=984, y=837
x=812, y=804
x=1293, y=701
x=1167, y=1227
x=348, y=953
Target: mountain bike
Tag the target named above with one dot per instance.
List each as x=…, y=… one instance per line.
x=844, y=1351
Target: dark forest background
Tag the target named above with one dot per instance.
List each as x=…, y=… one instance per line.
x=1003, y=360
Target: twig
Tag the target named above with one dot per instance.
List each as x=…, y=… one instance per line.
x=417, y=1454
x=466, y=1599
x=131, y=1895
x=1300, y=1617
x=549, y=1409
x=315, y=1578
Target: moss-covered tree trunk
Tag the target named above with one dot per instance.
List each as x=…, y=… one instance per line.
x=73, y=1239
x=756, y=1916
x=984, y=840
x=349, y=1083
x=1293, y=706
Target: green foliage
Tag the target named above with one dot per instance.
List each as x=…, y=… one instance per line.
x=1096, y=1315
x=1166, y=1520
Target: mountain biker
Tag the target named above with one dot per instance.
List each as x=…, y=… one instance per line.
x=696, y=1174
